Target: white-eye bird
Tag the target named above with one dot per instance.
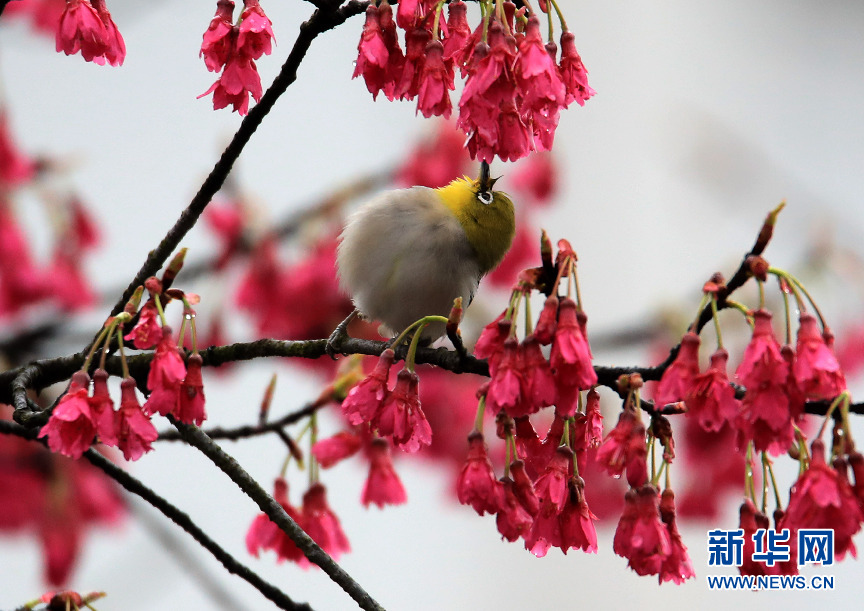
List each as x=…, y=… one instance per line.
x=409, y=253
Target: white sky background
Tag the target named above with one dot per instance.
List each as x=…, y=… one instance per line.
x=707, y=115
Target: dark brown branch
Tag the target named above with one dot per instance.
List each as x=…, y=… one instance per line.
x=197, y=438
x=177, y=516
x=243, y=432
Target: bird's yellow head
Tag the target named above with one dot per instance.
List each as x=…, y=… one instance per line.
x=486, y=216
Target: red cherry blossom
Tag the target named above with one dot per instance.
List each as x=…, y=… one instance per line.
x=816, y=370
x=401, y=418
x=321, y=523
x=436, y=83
x=81, y=29
x=219, y=39
x=458, y=30
x=365, y=399
x=677, y=566
x=115, y=47
x=255, y=31
x=523, y=488
x=416, y=40
x=506, y=383
x=571, y=355
x=641, y=536
x=263, y=534
x=514, y=137
x=190, y=406
x=72, y=425
x=551, y=487
x=765, y=417
x=373, y=54
x=573, y=72
x=624, y=448
x=679, y=377
x=238, y=81
x=135, y=433
x=751, y=520
x=490, y=344
x=538, y=382
x=167, y=371
x=146, y=332
x=335, y=449
x=577, y=521
x=477, y=485
x=823, y=498
x=711, y=399
x=512, y=519
x=102, y=408
x=382, y=486
x=547, y=321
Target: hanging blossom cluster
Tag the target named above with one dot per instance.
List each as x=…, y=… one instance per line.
x=233, y=49
x=542, y=497
x=83, y=416
x=780, y=382
x=86, y=27
x=314, y=515
x=515, y=83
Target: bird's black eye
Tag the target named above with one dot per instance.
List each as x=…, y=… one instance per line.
x=485, y=197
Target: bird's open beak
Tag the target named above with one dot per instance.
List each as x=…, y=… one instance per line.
x=485, y=179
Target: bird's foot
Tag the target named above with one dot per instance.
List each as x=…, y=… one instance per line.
x=333, y=347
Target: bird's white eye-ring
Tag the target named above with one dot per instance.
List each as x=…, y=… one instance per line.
x=485, y=197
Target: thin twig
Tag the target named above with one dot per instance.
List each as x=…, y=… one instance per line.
x=244, y=432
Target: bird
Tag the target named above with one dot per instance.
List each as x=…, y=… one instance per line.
x=409, y=253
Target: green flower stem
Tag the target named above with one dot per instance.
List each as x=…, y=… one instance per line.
x=716, y=320
x=575, y=276
x=749, y=485
x=787, y=312
x=529, y=323
x=560, y=15
x=841, y=398
x=478, y=419
x=807, y=294
x=438, y=8
x=124, y=366
x=412, y=349
x=767, y=462
x=695, y=325
x=158, y=301
x=94, y=347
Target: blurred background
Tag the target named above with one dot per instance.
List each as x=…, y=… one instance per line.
x=706, y=117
